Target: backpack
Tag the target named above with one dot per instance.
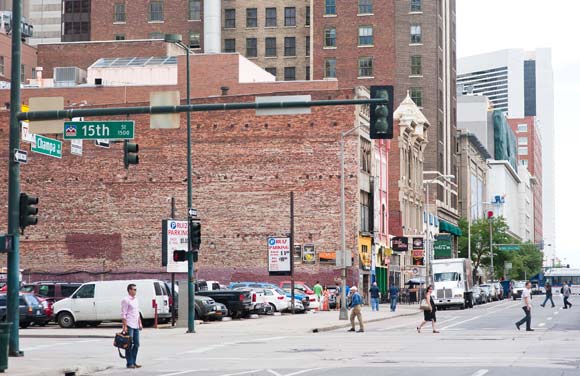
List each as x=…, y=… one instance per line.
x=562, y=290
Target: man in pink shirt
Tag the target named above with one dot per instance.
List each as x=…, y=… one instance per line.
x=131, y=324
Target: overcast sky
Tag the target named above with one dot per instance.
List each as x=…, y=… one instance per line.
x=489, y=25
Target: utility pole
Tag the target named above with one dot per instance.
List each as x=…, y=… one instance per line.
x=491, y=245
x=292, y=297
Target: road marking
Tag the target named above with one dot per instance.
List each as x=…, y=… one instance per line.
x=184, y=372
x=303, y=371
x=481, y=372
x=555, y=313
x=549, y=318
x=241, y=373
x=461, y=322
x=541, y=324
x=274, y=372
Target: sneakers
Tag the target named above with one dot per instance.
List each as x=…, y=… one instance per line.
x=351, y=330
x=529, y=330
x=518, y=326
x=360, y=331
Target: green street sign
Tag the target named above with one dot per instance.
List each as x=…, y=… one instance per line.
x=510, y=247
x=99, y=130
x=48, y=146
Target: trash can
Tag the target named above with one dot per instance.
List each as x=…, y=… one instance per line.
x=4, y=338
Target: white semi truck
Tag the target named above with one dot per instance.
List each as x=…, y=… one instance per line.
x=453, y=280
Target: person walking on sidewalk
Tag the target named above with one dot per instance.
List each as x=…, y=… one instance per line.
x=325, y=299
x=429, y=314
x=394, y=296
x=375, y=296
x=527, y=307
x=566, y=292
x=131, y=324
x=548, y=295
x=318, y=292
x=356, y=305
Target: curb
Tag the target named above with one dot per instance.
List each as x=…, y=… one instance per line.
x=66, y=336
x=346, y=325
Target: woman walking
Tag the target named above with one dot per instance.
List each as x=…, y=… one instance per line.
x=325, y=299
x=429, y=314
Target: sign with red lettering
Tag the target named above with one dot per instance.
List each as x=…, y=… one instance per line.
x=174, y=238
x=279, y=256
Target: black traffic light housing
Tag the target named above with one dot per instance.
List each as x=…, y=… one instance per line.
x=381, y=121
x=179, y=255
x=130, y=150
x=28, y=211
x=195, y=234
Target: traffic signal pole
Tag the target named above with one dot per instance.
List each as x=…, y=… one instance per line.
x=13, y=273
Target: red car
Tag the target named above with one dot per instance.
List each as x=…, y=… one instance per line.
x=47, y=306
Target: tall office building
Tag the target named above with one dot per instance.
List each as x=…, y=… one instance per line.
x=521, y=83
x=46, y=18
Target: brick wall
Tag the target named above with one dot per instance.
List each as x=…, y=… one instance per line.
x=28, y=58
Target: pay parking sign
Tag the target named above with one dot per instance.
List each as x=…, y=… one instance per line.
x=279, y=256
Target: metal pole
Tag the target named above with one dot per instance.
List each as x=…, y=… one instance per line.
x=426, y=245
x=343, y=315
x=292, y=252
x=13, y=273
x=190, y=265
x=491, y=245
x=469, y=234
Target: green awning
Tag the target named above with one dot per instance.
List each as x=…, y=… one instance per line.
x=450, y=228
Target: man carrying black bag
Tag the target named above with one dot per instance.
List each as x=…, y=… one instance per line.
x=131, y=324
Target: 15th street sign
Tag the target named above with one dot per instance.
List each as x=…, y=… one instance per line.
x=93, y=130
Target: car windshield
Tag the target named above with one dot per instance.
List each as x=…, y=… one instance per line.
x=279, y=291
x=445, y=277
x=31, y=299
x=519, y=284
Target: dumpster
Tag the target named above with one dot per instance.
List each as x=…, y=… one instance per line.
x=4, y=338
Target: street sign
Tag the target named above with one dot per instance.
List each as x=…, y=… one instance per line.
x=76, y=147
x=93, y=130
x=20, y=156
x=192, y=212
x=174, y=237
x=103, y=143
x=279, y=256
x=6, y=242
x=508, y=247
x=47, y=146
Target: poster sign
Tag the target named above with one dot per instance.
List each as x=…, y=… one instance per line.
x=400, y=244
x=174, y=238
x=308, y=255
x=279, y=256
x=297, y=253
x=417, y=243
x=327, y=257
x=442, y=247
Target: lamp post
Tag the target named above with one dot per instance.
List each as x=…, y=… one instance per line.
x=427, y=242
x=343, y=314
x=177, y=40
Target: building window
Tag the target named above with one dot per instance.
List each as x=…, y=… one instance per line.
x=289, y=74
x=307, y=23
x=307, y=76
x=365, y=66
x=329, y=7
x=229, y=45
x=523, y=150
x=289, y=16
x=230, y=19
x=156, y=35
x=416, y=94
x=194, y=39
x=523, y=141
x=195, y=10
x=270, y=47
x=271, y=70
x=2, y=65
x=307, y=46
x=365, y=36
x=365, y=155
x=416, y=66
x=522, y=128
x=251, y=47
x=271, y=17
x=156, y=11
x=330, y=68
x=365, y=6
x=289, y=46
x=416, y=6
x=364, y=211
x=119, y=36
x=416, y=34
x=252, y=17
x=330, y=37
x=120, y=15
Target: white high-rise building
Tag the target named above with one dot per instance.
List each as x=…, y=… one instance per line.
x=522, y=84
x=46, y=17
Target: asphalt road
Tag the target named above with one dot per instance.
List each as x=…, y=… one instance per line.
x=474, y=342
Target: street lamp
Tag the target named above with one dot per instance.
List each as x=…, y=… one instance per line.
x=177, y=40
x=427, y=242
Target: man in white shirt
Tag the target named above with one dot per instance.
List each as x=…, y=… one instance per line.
x=527, y=307
x=131, y=324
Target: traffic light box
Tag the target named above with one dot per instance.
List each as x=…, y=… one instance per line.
x=179, y=255
x=381, y=115
x=130, y=156
x=195, y=234
x=28, y=211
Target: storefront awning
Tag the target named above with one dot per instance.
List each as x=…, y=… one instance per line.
x=450, y=228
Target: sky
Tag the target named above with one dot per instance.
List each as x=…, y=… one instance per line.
x=484, y=26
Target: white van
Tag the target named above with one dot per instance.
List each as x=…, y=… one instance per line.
x=95, y=302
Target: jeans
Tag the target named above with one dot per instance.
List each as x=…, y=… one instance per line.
x=527, y=319
x=131, y=352
x=394, y=303
x=566, y=302
x=548, y=297
x=375, y=304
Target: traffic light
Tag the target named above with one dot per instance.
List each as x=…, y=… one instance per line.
x=195, y=234
x=179, y=255
x=195, y=256
x=130, y=150
x=28, y=211
x=381, y=121
x=489, y=214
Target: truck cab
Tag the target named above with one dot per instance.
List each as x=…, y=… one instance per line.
x=453, y=283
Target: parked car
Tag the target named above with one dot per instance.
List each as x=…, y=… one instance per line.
x=205, y=308
x=478, y=295
x=517, y=289
x=298, y=306
x=499, y=290
x=31, y=310
x=53, y=291
x=260, y=305
x=208, y=285
x=95, y=302
x=538, y=290
x=277, y=299
x=47, y=306
x=298, y=294
x=313, y=302
x=490, y=290
x=239, y=303
x=221, y=311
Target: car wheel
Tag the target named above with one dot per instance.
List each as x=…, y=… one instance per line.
x=66, y=320
x=273, y=307
x=24, y=324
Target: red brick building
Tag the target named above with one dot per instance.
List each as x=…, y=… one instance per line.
x=27, y=63
x=96, y=218
x=530, y=156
